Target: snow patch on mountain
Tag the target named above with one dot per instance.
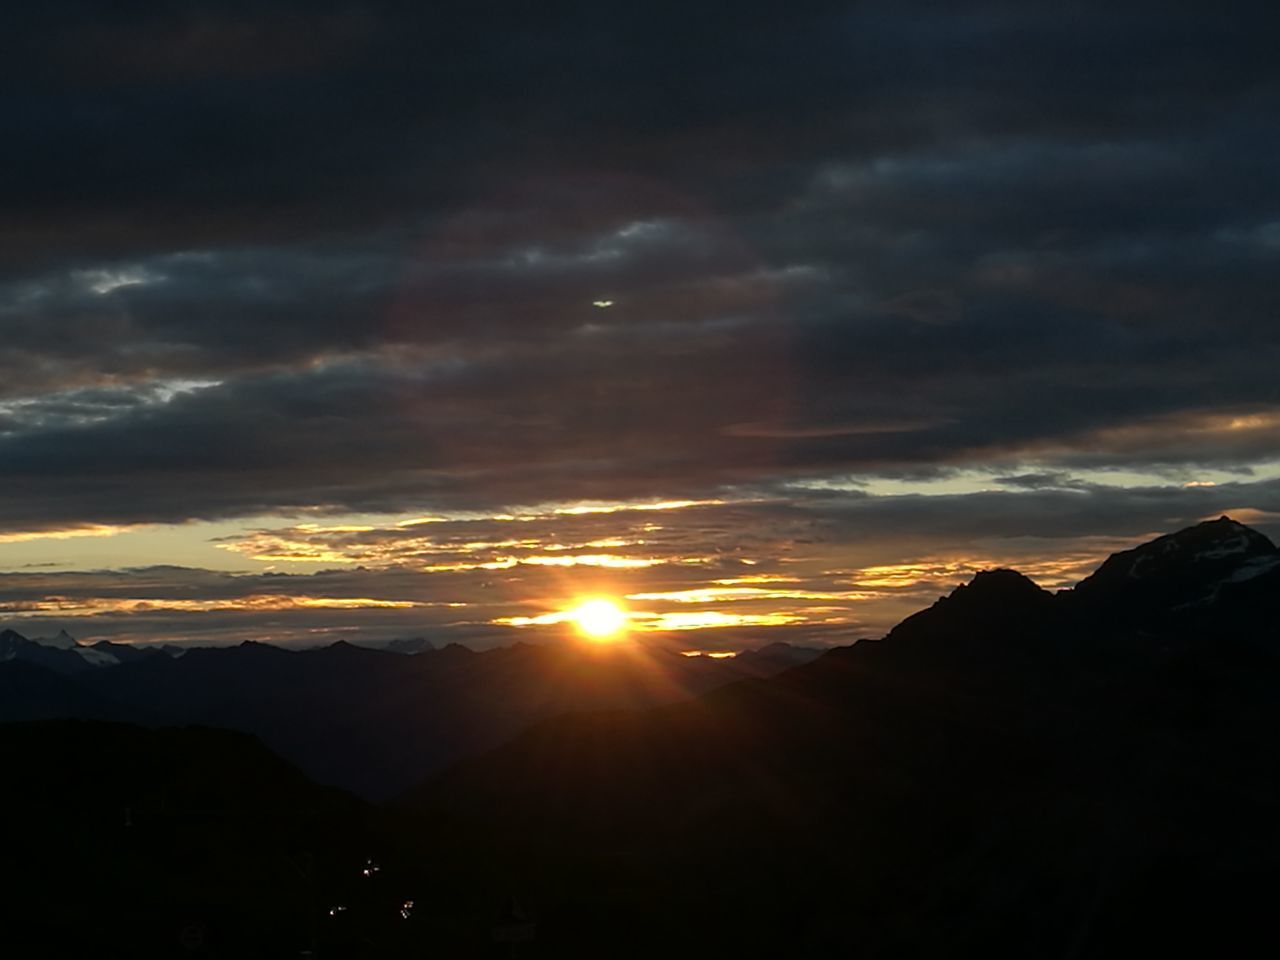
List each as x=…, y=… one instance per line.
x=1225, y=548
x=1254, y=568
x=97, y=658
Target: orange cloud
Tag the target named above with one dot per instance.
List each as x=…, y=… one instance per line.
x=68, y=533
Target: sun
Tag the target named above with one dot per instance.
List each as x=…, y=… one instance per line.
x=599, y=619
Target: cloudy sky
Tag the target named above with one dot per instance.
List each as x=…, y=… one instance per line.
x=372, y=320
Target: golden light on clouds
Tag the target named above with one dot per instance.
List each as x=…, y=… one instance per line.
x=593, y=560
x=656, y=622
x=371, y=546
x=1254, y=421
x=754, y=578
x=943, y=573
x=679, y=572
x=1246, y=515
x=710, y=654
x=1176, y=431
x=732, y=594
x=576, y=560
x=588, y=508
x=67, y=533
x=398, y=541
x=275, y=550
x=711, y=619
x=597, y=618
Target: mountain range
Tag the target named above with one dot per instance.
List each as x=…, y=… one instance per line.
x=1009, y=773
x=64, y=654
x=373, y=721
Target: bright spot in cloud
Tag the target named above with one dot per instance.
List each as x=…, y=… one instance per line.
x=602, y=304
x=103, y=282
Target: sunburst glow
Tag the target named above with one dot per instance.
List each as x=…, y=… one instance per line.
x=599, y=619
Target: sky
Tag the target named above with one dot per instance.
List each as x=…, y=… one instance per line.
x=772, y=322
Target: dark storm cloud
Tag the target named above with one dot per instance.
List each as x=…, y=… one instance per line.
x=278, y=256
x=211, y=122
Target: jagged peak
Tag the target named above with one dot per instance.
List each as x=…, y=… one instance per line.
x=1002, y=576
x=1224, y=531
x=1211, y=544
x=1001, y=582
x=989, y=598
x=60, y=641
x=455, y=649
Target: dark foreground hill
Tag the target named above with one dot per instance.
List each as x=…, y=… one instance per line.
x=1008, y=773
x=125, y=842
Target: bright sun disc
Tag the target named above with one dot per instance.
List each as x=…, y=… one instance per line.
x=599, y=619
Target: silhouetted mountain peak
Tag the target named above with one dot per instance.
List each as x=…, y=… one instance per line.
x=456, y=651
x=410, y=646
x=60, y=641
x=1213, y=540
x=65, y=659
x=1182, y=568
x=773, y=657
x=1002, y=581
x=991, y=589
x=993, y=602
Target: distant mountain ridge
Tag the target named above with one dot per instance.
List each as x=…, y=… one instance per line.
x=65, y=654
x=371, y=720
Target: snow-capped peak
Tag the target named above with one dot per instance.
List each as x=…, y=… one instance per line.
x=62, y=641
